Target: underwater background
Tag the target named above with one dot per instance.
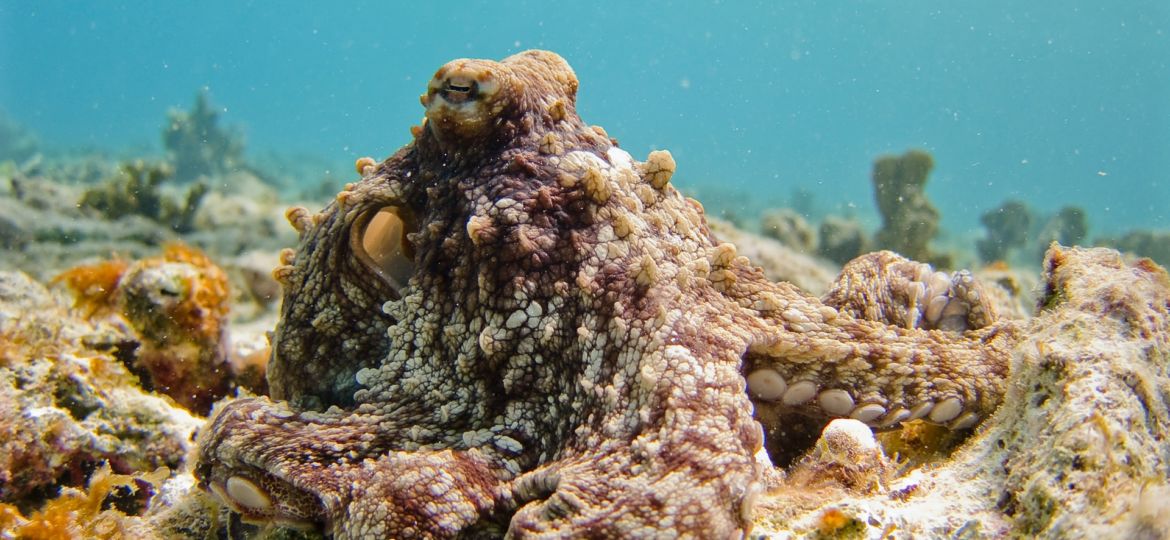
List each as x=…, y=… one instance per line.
x=763, y=104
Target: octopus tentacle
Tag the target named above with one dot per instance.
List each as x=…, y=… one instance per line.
x=881, y=367
x=690, y=455
x=889, y=288
x=882, y=383
x=255, y=456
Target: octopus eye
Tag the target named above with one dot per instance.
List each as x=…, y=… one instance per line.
x=380, y=243
x=459, y=90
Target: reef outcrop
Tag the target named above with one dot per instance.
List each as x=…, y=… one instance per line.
x=1077, y=449
x=68, y=403
x=1154, y=244
x=177, y=307
x=841, y=240
x=1017, y=233
x=789, y=228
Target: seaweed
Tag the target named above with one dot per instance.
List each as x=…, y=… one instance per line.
x=94, y=286
x=135, y=191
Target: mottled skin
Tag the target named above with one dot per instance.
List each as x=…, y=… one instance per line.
x=559, y=346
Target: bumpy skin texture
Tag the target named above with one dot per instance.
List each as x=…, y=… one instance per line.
x=558, y=346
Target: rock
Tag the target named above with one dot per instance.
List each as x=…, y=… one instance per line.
x=789, y=228
x=780, y=263
x=841, y=239
x=67, y=401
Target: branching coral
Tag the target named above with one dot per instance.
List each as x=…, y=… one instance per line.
x=909, y=220
x=16, y=142
x=1007, y=230
x=197, y=145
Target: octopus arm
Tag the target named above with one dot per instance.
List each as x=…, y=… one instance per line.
x=333, y=469
x=686, y=457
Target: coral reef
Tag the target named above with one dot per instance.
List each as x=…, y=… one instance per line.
x=1069, y=226
x=909, y=220
x=198, y=146
x=1077, y=449
x=245, y=215
x=43, y=228
x=43, y=231
x=73, y=412
x=1019, y=234
x=778, y=261
x=104, y=509
x=1084, y=429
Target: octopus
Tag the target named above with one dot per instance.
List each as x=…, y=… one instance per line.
x=511, y=327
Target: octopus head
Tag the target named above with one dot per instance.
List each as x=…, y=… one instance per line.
x=470, y=100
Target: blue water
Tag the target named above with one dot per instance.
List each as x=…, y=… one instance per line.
x=1053, y=102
